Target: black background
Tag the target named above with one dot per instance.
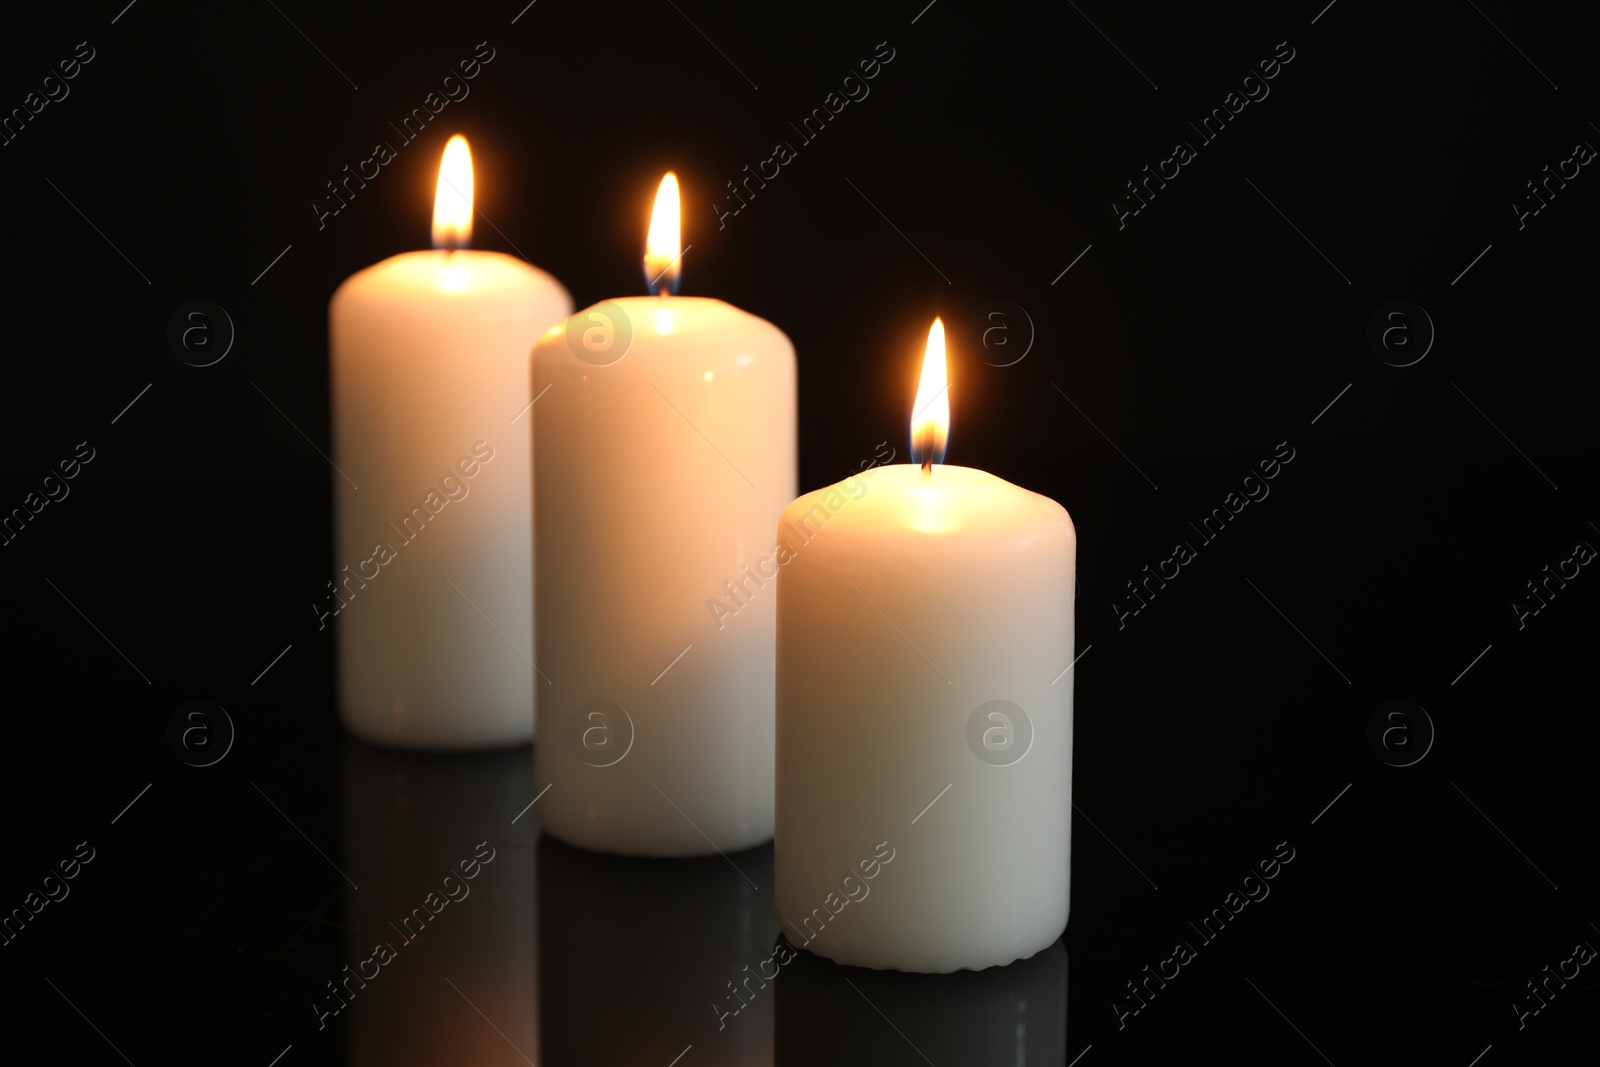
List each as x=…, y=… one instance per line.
x=1220, y=720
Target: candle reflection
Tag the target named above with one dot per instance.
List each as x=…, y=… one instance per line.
x=549, y=955
x=636, y=956
x=458, y=983
x=1014, y=1015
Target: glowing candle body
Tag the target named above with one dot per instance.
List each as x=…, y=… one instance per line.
x=661, y=463
x=434, y=591
x=924, y=713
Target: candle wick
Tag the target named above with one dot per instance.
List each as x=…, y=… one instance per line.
x=927, y=452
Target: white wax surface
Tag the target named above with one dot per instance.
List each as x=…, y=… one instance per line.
x=909, y=602
x=658, y=477
x=428, y=358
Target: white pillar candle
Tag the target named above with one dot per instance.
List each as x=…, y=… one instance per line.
x=433, y=587
x=925, y=622
x=664, y=451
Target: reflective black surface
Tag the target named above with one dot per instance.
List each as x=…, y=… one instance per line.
x=167, y=900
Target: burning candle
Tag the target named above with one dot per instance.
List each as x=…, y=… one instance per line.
x=664, y=450
x=925, y=625
x=433, y=586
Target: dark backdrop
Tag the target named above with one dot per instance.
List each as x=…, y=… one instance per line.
x=1134, y=366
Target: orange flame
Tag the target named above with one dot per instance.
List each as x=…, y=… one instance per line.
x=663, y=246
x=452, y=199
x=930, y=413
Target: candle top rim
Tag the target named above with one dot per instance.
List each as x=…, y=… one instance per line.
x=956, y=476
x=477, y=272
x=674, y=320
x=953, y=500
x=687, y=301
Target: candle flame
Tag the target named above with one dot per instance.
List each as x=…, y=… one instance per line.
x=452, y=199
x=663, y=246
x=930, y=413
